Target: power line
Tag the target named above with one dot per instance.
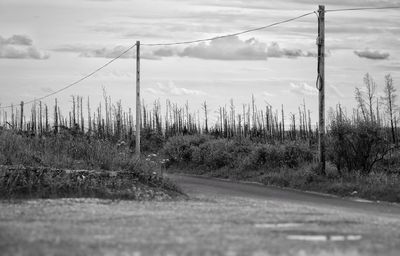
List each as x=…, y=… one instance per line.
x=268, y=26
x=230, y=35
x=161, y=44
x=77, y=81
x=198, y=41
x=363, y=8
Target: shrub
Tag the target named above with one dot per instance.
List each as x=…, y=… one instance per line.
x=151, y=140
x=180, y=149
x=216, y=153
x=267, y=154
x=356, y=146
x=339, y=150
x=212, y=154
x=297, y=153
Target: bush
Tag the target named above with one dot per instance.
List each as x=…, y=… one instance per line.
x=267, y=154
x=213, y=154
x=151, y=141
x=356, y=146
x=180, y=149
x=216, y=154
x=296, y=154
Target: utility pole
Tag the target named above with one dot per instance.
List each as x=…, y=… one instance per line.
x=138, y=108
x=321, y=86
x=21, y=121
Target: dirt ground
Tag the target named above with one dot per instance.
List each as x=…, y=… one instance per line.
x=215, y=221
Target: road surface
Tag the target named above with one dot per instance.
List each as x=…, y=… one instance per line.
x=195, y=185
x=221, y=218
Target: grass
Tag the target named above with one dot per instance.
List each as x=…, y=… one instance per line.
x=374, y=186
x=209, y=225
x=39, y=167
x=63, y=150
x=33, y=182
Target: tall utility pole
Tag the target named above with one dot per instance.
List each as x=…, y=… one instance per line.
x=138, y=108
x=321, y=85
x=21, y=124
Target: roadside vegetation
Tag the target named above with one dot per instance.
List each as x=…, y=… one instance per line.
x=73, y=164
x=44, y=182
x=251, y=143
x=291, y=165
x=362, y=150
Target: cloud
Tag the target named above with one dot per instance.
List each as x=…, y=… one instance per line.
x=303, y=89
x=262, y=4
x=373, y=55
x=20, y=47
x=275, y=51
x=105, y=52
x=233, y=48
x=164, y=52
x=72, y=48
x=172, y=89
x=229, y=48
x=114, y=52
x=16, y=40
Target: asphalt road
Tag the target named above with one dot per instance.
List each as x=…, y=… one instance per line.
x=195, y=185
x=220, y=218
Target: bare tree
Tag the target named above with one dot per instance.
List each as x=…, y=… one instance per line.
x=370, y=87
x=389, y=100
x=361, y=103
x=366, y=98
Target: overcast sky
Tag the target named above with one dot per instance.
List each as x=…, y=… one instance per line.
x=47, y=44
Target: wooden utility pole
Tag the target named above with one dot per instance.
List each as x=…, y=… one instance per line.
x=138, y=108
x=321, y=85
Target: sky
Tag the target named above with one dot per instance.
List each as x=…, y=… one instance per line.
x=48, y=44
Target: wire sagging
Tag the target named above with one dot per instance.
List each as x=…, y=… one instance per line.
x=198, y=41
x=233, y=34
x=77, y=81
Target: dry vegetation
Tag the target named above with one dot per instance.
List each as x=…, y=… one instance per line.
x=40, y=182
x=252, y=143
